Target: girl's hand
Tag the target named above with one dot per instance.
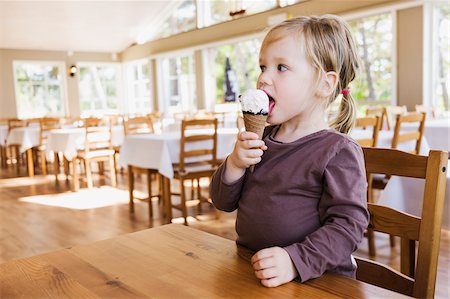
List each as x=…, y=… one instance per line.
x=273, y=266
x=247, y=151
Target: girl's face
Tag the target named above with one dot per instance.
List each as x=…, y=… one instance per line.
x=288, y=79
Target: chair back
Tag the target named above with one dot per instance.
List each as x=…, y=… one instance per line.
x=400, y=137
x=382, y=113
x=431, y=111
x=373, y=122
x=138, y=125
x=97, y=136
x=46, y=125
x=416, y=279
x=16, y=123
x=198, y=143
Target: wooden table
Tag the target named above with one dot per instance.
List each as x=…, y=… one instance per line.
x=171, y=261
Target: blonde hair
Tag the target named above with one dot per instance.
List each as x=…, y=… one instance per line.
x=329, y=46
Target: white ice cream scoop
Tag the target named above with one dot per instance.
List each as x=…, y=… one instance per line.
x=254, y=101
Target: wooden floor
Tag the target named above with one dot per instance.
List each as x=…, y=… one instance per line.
x=37, y=216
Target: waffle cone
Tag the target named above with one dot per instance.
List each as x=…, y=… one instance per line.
x=255, y=123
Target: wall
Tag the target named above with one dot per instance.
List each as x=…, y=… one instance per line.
x=410, y=57
x=7, y=92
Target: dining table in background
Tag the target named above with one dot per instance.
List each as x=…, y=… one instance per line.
x=27, y=138
x=160, y=151
x=436, y=131
x=69, y=140
x=170, y=261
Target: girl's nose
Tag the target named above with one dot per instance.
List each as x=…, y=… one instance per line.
x=264, y=79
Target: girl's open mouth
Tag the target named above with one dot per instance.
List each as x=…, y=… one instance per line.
x=271, y=104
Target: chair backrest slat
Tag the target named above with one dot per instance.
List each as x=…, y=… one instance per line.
x=369, y=121
x=138, y=125
x=400, y=136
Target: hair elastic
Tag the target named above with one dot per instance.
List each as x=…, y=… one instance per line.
x=346, y=91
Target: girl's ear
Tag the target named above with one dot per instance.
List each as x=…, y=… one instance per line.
x=327, y=84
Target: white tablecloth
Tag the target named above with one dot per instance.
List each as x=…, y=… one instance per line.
x=437, y=132
x=69, y=140
x=160, y=151
x=26, y=137
x=3, y=134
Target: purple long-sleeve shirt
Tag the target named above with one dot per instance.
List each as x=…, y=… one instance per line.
x=307, y=196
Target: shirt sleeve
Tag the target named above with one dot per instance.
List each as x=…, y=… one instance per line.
x=343, y=216
x=225, y=196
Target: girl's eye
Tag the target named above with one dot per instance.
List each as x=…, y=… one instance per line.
x=262, y=68
x=282, y=68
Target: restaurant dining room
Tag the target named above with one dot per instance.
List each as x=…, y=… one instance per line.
x=225, y=149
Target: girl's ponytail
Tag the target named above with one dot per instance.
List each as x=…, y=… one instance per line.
x=345, y=119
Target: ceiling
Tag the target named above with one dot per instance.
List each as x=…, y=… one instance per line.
x=85, y=26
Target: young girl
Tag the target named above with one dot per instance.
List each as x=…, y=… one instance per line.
x=303, y=208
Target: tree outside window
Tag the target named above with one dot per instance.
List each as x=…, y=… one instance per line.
x=374, y=39
x=98, y=88
x=39, y=89
x=244, y=60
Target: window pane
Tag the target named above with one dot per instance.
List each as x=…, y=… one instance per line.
x=183, y=19
x=98, y=89
x=138, y=81
x=442, y=65
x=244, y=63
x=373, y=36
x=39, y=89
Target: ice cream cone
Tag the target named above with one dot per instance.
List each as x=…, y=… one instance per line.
x=256, y=124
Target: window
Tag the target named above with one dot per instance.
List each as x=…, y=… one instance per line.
x=440, y=56
x=183, y=19
x=138, y=83
x=244, y=61
x=214, y=12
x=178, y=84
x=98, y=86
x=40, y=89
x=374, y=39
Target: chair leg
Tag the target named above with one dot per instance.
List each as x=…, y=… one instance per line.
x=371, y=241
x=183, y=201
x=112, y=171
x=392, y=240
x=149, y=186
x=56, y=165
x=76, y=183
x=43, y=163
x=87, y=166
x=17, y=154
x=131, y=188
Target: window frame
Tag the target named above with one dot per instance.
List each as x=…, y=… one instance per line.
x=130, y=82
x=119, y=90
x=62, y=84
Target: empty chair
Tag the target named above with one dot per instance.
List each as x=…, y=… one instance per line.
x=138, y=125
x=198, y=157
x=431, y=111
x=415, y=136
x=417, y=276
x=98, y=148
x=46, y=124
x=373, y=122
x=382, y=113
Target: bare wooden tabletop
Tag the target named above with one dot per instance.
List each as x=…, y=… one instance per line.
x=171, y=261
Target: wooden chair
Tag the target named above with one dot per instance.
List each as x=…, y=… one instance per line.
x=382, y=113
x=400, y=137
x=138, y=125
x=415, y=278
x=431, y=111
x=133, y=126
x=198, y=157
x=46, y=124
x=393, y=111
x=12, y=151
x=373, y=122
x=98, y=148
